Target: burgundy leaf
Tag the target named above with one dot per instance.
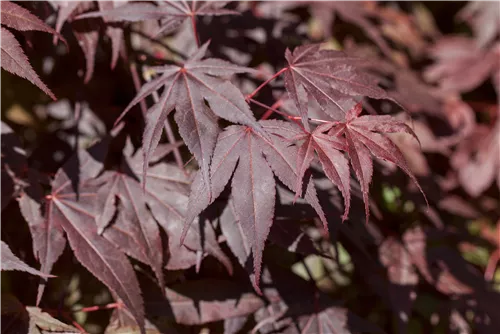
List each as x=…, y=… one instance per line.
x=19, y=18
x=198, y=302
x=353, y=12
x=45, y=323
x=122, y=322
x=12, y=262
x=236, y=238
x=329, y=77
x=186, y=88
x=171, y=13
x=254, y=160
x=72, y=208
x=134, y=230
x=87, y=32
x=297, y=307
x=334, y=163
x=461, y=65
x=166, y=195
x=114, y=33
x=15, y=61
x=88, y=37
x=483, y=18
x=403, y=277
x=361, y=137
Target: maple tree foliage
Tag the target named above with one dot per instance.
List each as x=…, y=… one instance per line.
x=250, y=167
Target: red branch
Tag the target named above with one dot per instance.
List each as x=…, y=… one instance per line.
x=277, y=74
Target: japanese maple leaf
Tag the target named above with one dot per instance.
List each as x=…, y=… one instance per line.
x=135, y=231
x=330, y=77
x=334, y=163
x=358, y=13
x=364, y=135
x=87, y=32
x=460, y=64
x=11, y=262
x=483, y=17
x=186, y=88
x=13, y=58
x=199, y=301
x=170, y=13
x=254, y=159
x=285, y=233
x=297, y=307
x=477, y=161
x=70, y=209
x=402, y=276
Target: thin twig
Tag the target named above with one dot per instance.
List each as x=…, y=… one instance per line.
x=277, y=74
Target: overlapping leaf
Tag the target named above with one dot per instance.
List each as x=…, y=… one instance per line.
x=186, y=89
x=134, y=230
x=364, y=135
x=253, y=159
x=71, y=210
x=334, y=163
x=483, y=17
x=357, y=13
x=460, y=64
x=87, y=32
x=17, y=318
x=170, y=13
x=11, y=262
x=166, y=196
x=297, y=307
x=329, y=77
x=13, y=58
x=403, y=279
x=205, y=300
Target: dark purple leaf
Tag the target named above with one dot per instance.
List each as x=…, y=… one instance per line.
x=42, y=322
x=12, y=262
x=329, y=77
x=134, y=230
x=72, y=208
x=170, y=13
x=166, y=195
x=403, y=278
x=362, y=139
x=185, y=89
x=198, y=302
x=15, y=61
x=19, y=18
x=461, y=65
x=483, y=18
x=254, y=160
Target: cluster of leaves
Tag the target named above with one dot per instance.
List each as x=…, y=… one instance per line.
x=221, y=172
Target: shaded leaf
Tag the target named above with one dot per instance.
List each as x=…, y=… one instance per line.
x=170, y=13
x=15, y=61
x=134, y=230
x=42, y=322
x=191, y=303
x=362, y=139
x=253, y=159
x=166, y=196
x=12, y=262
